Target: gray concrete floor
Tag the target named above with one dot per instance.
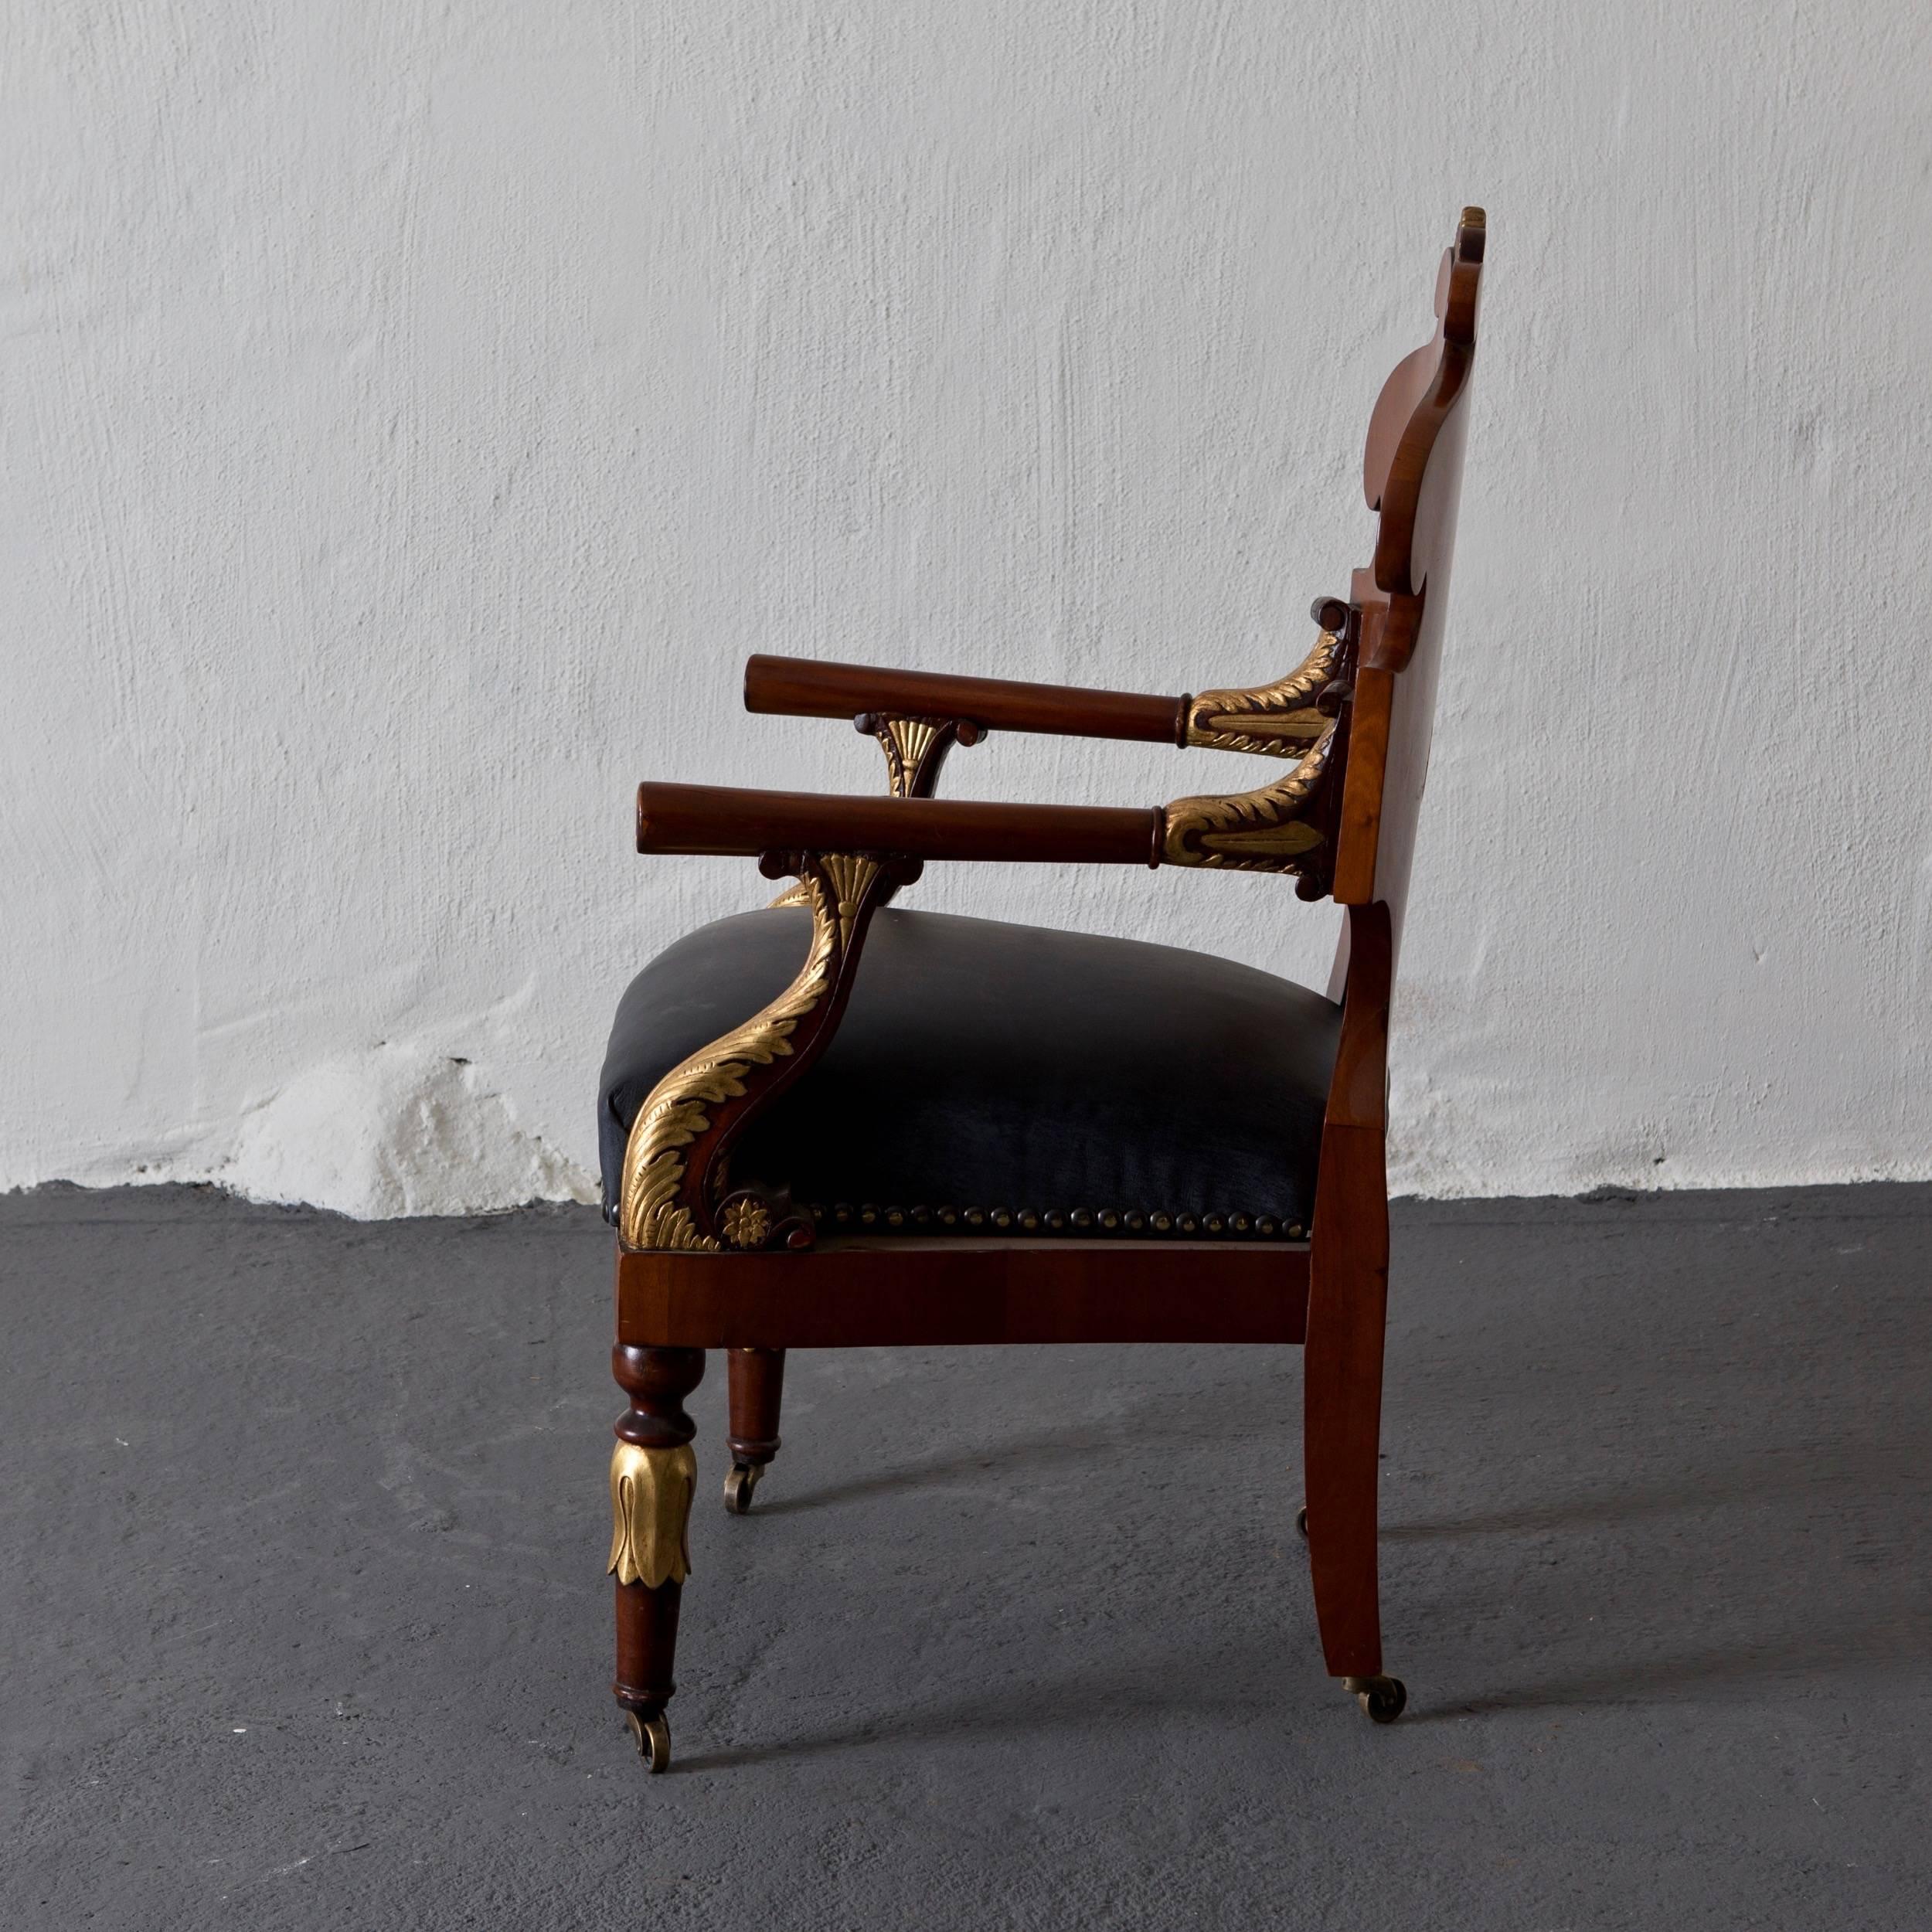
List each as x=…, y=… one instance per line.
x=304, y=1623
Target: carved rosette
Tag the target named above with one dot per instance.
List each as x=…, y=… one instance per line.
x=675, y=1151
x=650, y=1492
x=745, y=1221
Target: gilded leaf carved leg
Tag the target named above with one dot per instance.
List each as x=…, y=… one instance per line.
x=653, y=1475
x=757, y=1378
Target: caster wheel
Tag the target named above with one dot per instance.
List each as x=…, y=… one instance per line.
x=738, y=1485
x=1385, y=1698
x=652, y=1736
x=1301, y=1522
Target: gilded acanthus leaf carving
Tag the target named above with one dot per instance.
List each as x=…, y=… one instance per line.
x=652, y=1211
x=1262, y=831
x=1273, y=829
x=1277, y=719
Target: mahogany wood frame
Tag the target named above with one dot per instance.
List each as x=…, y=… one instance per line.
x=801, y=688
x=1329, y=1293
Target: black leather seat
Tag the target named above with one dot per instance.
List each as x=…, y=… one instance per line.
x=990, y=1076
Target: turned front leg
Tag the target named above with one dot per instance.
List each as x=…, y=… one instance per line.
x=653, y=1473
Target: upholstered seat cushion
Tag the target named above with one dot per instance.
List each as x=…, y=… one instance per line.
x=988, y=1076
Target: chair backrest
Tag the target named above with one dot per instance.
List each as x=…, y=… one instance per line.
x=1412, y=471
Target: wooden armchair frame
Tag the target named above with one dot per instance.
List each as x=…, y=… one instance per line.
x=703, y=1265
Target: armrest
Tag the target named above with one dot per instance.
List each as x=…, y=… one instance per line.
x=800, y=688
x=720, y=819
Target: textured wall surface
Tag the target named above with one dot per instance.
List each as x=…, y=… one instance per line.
x=411, y=417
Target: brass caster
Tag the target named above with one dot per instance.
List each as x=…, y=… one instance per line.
x=1301, y=1521
x=738, y=1485
x=1385, y=1698
x=652, y=1737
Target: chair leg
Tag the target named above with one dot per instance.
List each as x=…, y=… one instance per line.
x=1348, y=1300
x=757, y=1383
x=653, y=1474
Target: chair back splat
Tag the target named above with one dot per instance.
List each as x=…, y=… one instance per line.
x=833, y=1122
x=1412, y=474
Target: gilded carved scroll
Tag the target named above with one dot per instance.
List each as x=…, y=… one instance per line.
x=668, y=1202
x=1278, y=719
x=1278, y=828
x=1267, y=830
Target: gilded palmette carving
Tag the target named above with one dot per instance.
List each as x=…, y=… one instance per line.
x=1278, y=719
x=915, y=749
x=650, y=1492
x=654, y=1210
x=1262, y=830
x=906, y=743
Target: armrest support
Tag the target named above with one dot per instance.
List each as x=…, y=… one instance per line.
x=721, y=819
x=915, y=748
x=847, y=854
x=798, y=687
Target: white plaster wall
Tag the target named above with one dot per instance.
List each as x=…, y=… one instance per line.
x=413, y=416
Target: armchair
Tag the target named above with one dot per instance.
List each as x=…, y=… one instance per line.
x=1000, y=1133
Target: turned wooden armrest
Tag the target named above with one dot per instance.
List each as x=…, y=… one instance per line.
x=801, y=688
x=721, y=819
